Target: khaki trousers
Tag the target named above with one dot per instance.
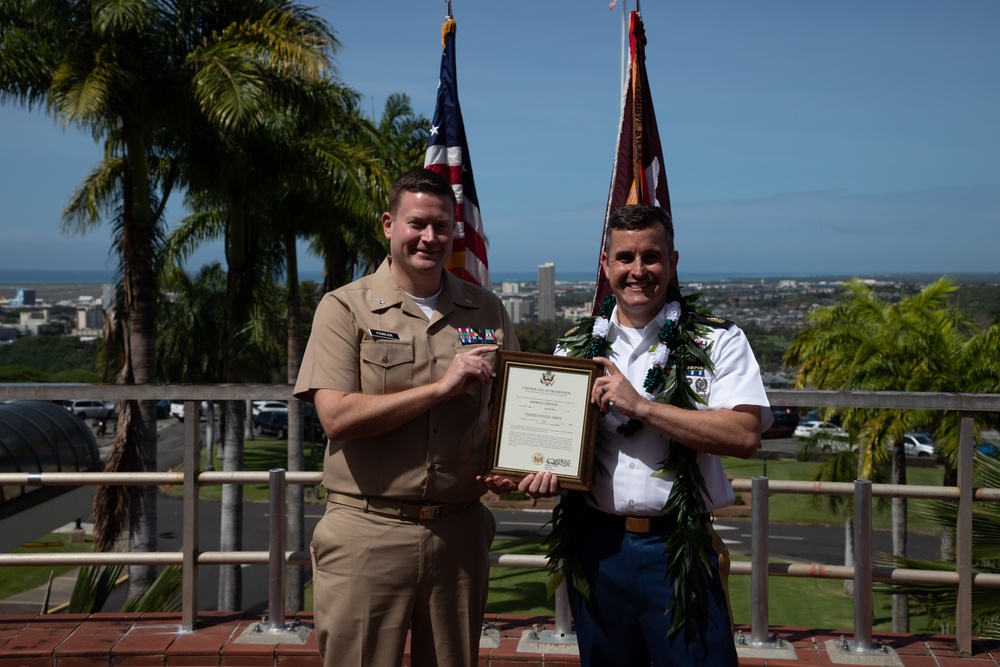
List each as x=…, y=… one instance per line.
x=377, y=577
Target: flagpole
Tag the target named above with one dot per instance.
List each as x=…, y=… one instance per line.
x=624, y=40
x=448, y=154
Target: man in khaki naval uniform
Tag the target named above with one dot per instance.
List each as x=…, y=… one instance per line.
x=399, y=365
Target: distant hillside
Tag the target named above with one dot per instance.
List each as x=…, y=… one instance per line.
x=52, y=358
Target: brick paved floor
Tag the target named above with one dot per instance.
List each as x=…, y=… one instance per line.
x=144, y=640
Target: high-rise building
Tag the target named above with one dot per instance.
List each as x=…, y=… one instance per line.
x=514, y=308
x=547, y=292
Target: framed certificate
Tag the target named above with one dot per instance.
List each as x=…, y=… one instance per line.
x=541, y=417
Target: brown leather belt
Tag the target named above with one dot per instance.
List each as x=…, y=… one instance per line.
x=637, y=524
x=642, y=525
x=399, y=509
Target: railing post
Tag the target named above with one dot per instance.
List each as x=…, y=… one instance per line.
x=560, y=640
x=189, y=549
x=963, y=535
x=760, y=645
x=862, y=565
x=276, y=552
x=862, y=648
x=759, y=500
x=563, y=622
x=274, y=630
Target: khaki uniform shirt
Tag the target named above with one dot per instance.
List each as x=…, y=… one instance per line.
x=370, y=337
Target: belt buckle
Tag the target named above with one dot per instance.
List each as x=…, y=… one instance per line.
x=429, y=512
x=637, y=524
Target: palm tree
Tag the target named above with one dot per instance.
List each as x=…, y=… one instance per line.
x=919, y=344
x=351, y=241
x=152, y=77
x=938, y=602
x=189, y=342
x=101, y=66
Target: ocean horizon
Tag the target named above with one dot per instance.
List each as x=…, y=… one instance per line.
x=27, y=277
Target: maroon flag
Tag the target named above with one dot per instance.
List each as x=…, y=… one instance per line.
x=639, y=176
x=448, y=154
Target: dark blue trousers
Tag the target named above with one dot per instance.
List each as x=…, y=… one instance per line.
x=625, y=624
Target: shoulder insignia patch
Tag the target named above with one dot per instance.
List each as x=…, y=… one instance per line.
x=712, y=321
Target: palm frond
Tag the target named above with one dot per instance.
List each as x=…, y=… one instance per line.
x=164, y=594
x=116, y=16
x=92, y=589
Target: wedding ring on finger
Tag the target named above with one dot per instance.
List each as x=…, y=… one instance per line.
x=604, y=389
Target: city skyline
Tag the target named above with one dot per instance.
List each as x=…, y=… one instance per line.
x=799, y=138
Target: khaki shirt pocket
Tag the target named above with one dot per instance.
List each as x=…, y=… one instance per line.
x=386, y=366
x=490, y=357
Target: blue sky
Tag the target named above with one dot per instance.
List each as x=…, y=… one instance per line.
x=799, y=137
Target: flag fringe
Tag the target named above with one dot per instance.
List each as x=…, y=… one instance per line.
x=449, y=27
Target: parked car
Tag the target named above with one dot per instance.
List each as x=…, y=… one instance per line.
x=823, y=436
x=268, y=406
x=275, y=422
x=786, y=416
x=776, y=430
x=89, y=409
x=918, y=444
x=810, y=428
x=785, y=421
x=162, y=409
x=177, y=409
x=985, y=447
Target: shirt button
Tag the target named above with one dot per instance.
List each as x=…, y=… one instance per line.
x=385, y=359
x=631, y=465
x=631, y=503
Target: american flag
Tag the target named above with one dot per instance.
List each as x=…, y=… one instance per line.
x=639, y=176
x=448, y=155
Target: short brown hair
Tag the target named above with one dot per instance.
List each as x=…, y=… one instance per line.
x=421, y=180
x=637, y=217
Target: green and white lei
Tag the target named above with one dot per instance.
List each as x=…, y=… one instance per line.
x=686, y=537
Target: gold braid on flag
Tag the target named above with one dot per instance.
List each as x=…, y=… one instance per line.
x=456, y=262
x=449, y=27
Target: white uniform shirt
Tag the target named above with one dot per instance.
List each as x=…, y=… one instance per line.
x=623, y=482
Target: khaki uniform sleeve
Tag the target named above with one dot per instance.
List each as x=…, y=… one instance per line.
x=332, y=354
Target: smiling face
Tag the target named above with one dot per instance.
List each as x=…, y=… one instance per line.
x=420, y=233
x=640, y=265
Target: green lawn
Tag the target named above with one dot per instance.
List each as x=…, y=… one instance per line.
x=18, y=579
x=797, y=508
x=812, y=603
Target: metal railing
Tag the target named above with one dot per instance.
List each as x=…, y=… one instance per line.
x=759, y=568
